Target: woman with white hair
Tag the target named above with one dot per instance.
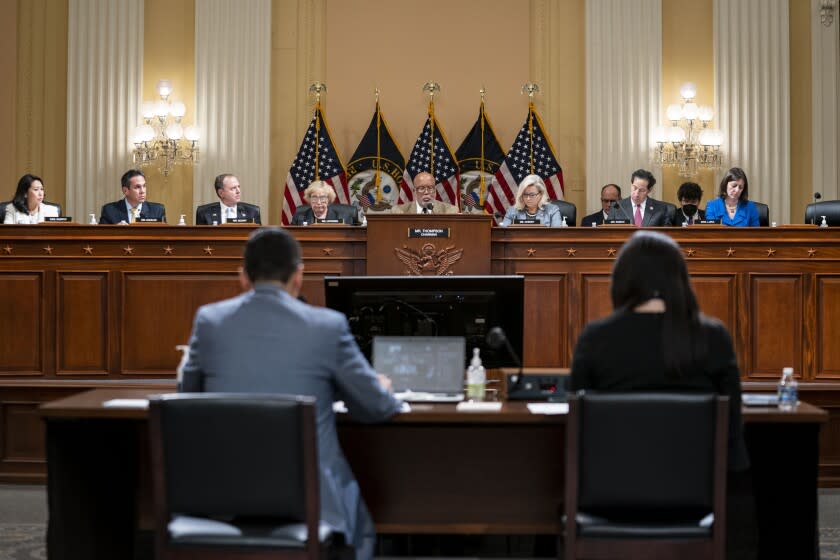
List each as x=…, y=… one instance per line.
x=320, y=196
x=532, y=203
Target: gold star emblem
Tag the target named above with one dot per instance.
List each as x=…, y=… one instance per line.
x=730, y=252
x=690, y=252
x=771, y=252
x=128, y=250
x=208, y=250
x=610, y=252
x=8, y=249
x=571, y=252
x=48, y=250
x=531, y=251
x=811, y=252
x=328, y=251
x=168, y=250
x=88, y=250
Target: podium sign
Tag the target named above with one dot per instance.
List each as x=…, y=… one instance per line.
x=428, y=245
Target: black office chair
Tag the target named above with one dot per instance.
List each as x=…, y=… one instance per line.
x=3, y=211
x=567, y=209
x=236, y=476
x=763, y=214
x=828, y=208
x=646, y=476
x=347, y=213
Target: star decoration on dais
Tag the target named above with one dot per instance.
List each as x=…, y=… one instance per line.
x=208, y=250
x=730, y=252
x=87, y=249
x=128, y=250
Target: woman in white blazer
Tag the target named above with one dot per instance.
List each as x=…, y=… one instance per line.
x=28, y=206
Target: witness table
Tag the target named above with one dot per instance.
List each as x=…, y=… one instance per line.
x=434, y=470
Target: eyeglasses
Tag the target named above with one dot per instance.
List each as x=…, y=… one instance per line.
x=425, y=189
x=319, y=198
x=530, y=195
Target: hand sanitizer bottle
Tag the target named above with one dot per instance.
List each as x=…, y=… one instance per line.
x=563, y=221
x=823, y=223
x=92, y=220
x=182, y=221
x=476, y=378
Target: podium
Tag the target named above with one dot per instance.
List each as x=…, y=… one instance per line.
x=428, y=245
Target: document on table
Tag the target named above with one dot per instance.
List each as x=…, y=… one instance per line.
x=475, y=406
x=127, y=403
x=548, y=407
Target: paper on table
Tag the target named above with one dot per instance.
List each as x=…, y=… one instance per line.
x=127, y=403
x=474, y=406
x=548, y=407
x=340, y=408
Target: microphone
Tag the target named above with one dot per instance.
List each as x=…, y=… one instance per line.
x=496, y=338
x=817, y=197
x=617, y=206
x=428, y=207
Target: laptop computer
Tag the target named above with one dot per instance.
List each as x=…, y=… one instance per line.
x=422, y=368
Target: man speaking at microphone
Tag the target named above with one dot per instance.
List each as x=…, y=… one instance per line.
x=424, y=199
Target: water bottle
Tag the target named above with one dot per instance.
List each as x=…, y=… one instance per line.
x=788, y=390
x=476, y=378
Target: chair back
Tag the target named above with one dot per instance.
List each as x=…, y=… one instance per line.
x=3, y=206
x=646, y=451
x=567, y=209
x=816, y=210
x=763, y=214
x=218, y=454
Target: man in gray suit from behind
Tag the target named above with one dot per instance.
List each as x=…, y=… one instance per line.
x=266, y=340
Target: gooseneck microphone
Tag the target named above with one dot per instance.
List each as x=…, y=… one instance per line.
x=496, y=338
x=617, y=206
x=817, y=197
x=428, y=207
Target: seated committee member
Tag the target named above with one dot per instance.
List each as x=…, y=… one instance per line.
x=229, y=206
x=28, y=206
x=320, y=195
x=424, y=198
x=532, y=202
x=134, y=206
x=656, y=339
x=733, y=206
x=265, y=340
x=689, y=194
x=610, y=194
x=639, y=208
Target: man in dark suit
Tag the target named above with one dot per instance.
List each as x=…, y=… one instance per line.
x=229, y=206
x=134, y=206
x=689, y=194
x=610, y=194
x=639, y=208
x=266, y=340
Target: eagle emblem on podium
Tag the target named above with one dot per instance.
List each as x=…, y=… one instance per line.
x=429, y=260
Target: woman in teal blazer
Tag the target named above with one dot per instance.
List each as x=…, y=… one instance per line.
x=733, y=207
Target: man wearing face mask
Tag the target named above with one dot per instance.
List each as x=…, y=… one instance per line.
x=689, y=194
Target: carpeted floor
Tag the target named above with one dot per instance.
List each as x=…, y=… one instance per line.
x=23, y=514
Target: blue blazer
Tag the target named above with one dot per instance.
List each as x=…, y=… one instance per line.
x=266, y=341
x=745, y=216
x=115, y=212
x=548, y=214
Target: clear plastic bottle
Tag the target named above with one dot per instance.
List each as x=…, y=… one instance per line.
x=788, y=390
x=563, y=221
x=476, y=378
x=823, y=223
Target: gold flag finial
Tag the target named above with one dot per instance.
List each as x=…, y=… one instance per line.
x=531, y=88
x=431, y=88
x=376, y=93
x=318, y=88
x=482, y=92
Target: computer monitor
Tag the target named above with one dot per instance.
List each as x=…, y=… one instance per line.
x=467, y=306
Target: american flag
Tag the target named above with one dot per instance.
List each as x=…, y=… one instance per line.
x=303, y=170
x=447, y=177
x=525, y=157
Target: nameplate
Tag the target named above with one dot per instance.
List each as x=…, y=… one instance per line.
x=428, y=232
x=617, y=222
x=706, y=222
x=240, y=221
x=526, y=221
x=148, y=220
x=328, y=221
x=58, y=219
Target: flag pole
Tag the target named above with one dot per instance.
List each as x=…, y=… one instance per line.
x=531, y=88
x=377, y=177
x=431, y=88
x=483, y=188
x=317, y=88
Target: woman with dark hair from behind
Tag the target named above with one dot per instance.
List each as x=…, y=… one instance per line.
x=657, y=339
x=28, y=206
